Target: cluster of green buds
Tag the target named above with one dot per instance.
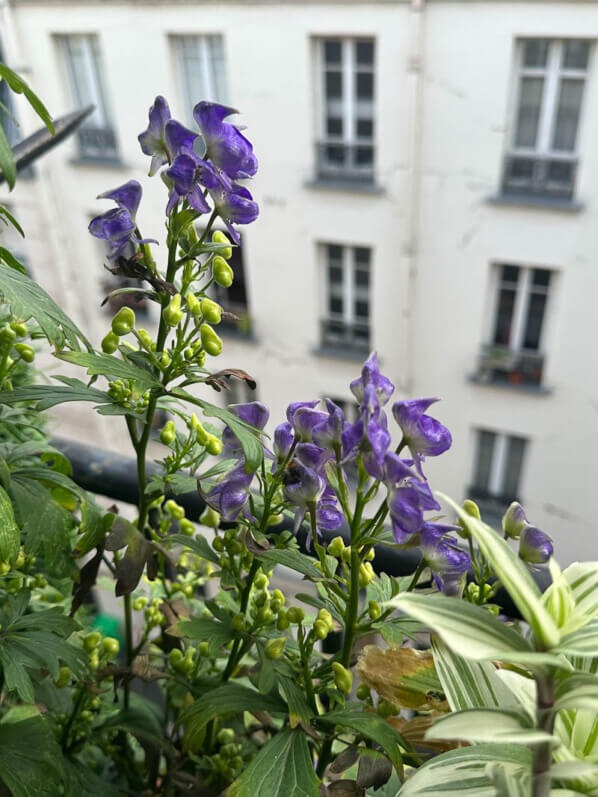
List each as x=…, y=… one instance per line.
x=126, y=395
x=343, y=678
x=13, y=351
x=323, y=624
x=100, y=649
x=19, y=571
x=182, y=663
x=122, y=324
x=339, y=550
x=227, y=762
x=153, y=616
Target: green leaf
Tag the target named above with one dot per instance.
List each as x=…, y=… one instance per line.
x=470, y=684
x=299, y=710
x=31, y=762
x=49, y=395
x=295, y=560
x=372, y=727
x=19, y=86
x=488, y=725
x=198, y=544
x=231, y=698
x=247, y=436
x=583, y=642
x=203, y=629
x=509, y=784
x=10, y=534
x=572, y=770
x=28, y=300
x=11, y=260
x=578, y=691
x=140, y=720
x=513, y=575
x=464, y=771
x=582, y=578
x=92, y=527
x=112, y=367
x=11, y=219
x=282, y=768
x=7, y=163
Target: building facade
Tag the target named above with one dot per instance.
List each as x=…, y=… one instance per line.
x=427, y=187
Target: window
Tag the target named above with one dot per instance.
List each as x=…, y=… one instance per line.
x=345, y=146
x=202, y=70
x=497, y=468
x=97, y=139
x=234, y=300
x=514, y=352
x=347, y=303
x=551, y=76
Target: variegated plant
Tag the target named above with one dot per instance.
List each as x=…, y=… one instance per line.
x=526, y=701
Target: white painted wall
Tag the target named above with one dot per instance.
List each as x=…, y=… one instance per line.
x=433, y=234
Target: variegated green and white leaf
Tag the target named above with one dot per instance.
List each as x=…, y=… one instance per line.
x=509, y=784
x=463, y=771
x=558, y=598
x=513, y=574
x=488, y=725
x=573, y=770
x=577, y=692
x=583, y=642
x=582, y=578
x=524, y=690
x=473, y=631
x=470, y=684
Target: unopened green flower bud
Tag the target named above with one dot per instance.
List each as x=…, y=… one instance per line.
x=145, y=338
x=7, y=335
x=211, y=311
x=472, y=509
x=260, y=598
x=210, y=340
x=25, y=352
x=514, y=521
x=140, y=603
x=193, y=304
x=374, y=610
x=346, y=555
x=64, y=676
x=213, y=445
x=220, y=238
x=261, y=581
x=175, y=658
x=187, y=528
x=274, y=647
x=174, y=509
x=336, y=547
x=275, y=605
x=363, y=692
x=343, y=678
x=385, y=708
x=325, y=617
x=278, y=596
x=218, y=544
x=168, y=435
x=225, y=736
x=295, y=614
x=366, y=574
x=238, y=622
x=189, y=353
x=172, y=314
x=110, y=343
x=210, y=518
x=204, y=648
x=123, y=322
x=92, y=640
x=19, y=328
x=265, y=615
x=165, y=359
x=321, y=629
x=370, y=555
x=222, y=272
x=282, y=621
x=110, y=646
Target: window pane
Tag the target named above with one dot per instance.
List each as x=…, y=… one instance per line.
x=362, y=310
x=535, y=317
x=332, y=52
x=535, y=52
x=334, y=85
x=334, y=126
x=509, y=274
x=560, y=173
x=530, y=102
x=216, y=61
x=567, y=116
x=362, y=278
x=361, y=255
x=483, y=463
x=541, y=277
x=336, y=305
x=575, y=54
x=364, y=128
x=335, y=154
x=364, y=156
x=513, y=463
x=364, y=52
x=335, y=274
x=365, y=85
x=504, y=316
x=335, y=252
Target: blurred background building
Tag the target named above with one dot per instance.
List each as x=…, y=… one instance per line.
x=428, y=189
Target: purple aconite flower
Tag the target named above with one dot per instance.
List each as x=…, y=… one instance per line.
x=329, y=432
x=514, y=521
x=535, y=546
x=226, y=146
x=153, y=140
x=230, y=495
x=424, y=435
x=117, y=226
x=303, y=489
x=254, y=413
x=446, y=560
x=184, y=179
x=370, y=375
x=284, y=437
x=305, y=419
x=234, y=203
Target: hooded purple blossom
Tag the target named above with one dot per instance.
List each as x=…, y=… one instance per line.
x=329, y=433
x=303, y=489
x=231, y=494
x=296, y=405
x=254, y=413
x=117, y=226
x=152, y=140
x=184, y=180
x=312, y=456
x=424, y=435
x=370, y=375
x=284, y=437
x=446, y=560
x=234, y=203
x=535, y=546
x=304, y=421
x=514, y=521
x=226, y=146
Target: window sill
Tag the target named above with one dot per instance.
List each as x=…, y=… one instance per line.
x=338, y=353
x=535, y=390
x=112, y=163
x=531, y=201
x=348, y=184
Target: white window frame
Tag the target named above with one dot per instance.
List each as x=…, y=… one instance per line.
x=552, y=74
x=349, y=68
x=92, y=61
x=203, y=43
x=496, y=478
x=350, y=292
x=524, y=290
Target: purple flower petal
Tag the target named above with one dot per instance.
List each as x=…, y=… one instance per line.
x=226, y=147
x=535, y=546
x=127, y=197
x=152, y=140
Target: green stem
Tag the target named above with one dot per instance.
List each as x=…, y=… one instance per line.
x=418, y=571
x=74, y=712
x=542, y=753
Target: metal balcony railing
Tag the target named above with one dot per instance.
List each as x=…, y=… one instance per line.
x=340, y=334
x=97, y=143
x=500, y=365
x=548, y=177
x=340, y=161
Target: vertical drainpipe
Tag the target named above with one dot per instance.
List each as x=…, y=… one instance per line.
x=415, y=83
